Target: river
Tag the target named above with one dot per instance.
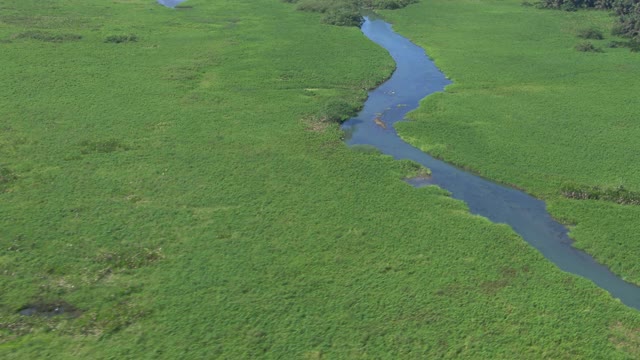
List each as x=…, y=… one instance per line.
x=415, y=77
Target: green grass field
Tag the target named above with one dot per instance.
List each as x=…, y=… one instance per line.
x=527, y=109
x=175, y=194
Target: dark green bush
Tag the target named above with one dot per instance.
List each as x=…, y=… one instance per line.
x=590, y=33
x=386, y=4
x=616, y=44
x=117, y=39
x=346, y=12
x=343, y=17
x=337, y=111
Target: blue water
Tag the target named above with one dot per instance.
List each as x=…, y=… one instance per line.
x=170, y=3
x=415, y=77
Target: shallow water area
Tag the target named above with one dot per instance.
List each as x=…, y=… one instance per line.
x=170, y=3
x=415, y=77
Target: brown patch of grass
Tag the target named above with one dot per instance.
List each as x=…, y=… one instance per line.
x=626, y=339
x=315, y=125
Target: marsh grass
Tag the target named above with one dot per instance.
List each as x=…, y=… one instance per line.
x=277, y=242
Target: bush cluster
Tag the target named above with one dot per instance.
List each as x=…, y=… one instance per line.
x=627, y=12
x=619, y=195
x=590, y=33
x=117, y=39
x=346, y=12
x=337, y=111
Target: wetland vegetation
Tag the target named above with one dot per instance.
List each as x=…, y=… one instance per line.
x=188, y=194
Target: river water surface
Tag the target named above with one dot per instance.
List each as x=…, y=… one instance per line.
x=415, y=77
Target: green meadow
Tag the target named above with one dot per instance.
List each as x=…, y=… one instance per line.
x=529, y=110
x=171, y=180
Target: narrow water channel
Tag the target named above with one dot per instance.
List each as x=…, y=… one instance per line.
x=415, y=77
x=170, y=3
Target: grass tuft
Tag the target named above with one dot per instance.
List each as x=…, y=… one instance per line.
x=588, y=47
x=119, y=39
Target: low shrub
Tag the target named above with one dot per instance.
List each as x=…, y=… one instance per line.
x=386, y=4
x=346, y=12
x=590, y=33
x=336, y=111
x=118, y=39
x=587, y=47
x=343, y=17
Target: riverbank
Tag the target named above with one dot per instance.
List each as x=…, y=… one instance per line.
x=170, y=190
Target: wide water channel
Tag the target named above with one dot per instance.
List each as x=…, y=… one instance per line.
x=415, y=77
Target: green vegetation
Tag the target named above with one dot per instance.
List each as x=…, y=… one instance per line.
x=346, y=12
x=628, y=12
x=618, y=195
x=176, y=198
x=590, y=33
x=530, y=111
x=587, y=47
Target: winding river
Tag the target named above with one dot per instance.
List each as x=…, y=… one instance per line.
x=415, y=77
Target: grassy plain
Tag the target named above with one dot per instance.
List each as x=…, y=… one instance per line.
x=527, y=109
x=175, y=192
